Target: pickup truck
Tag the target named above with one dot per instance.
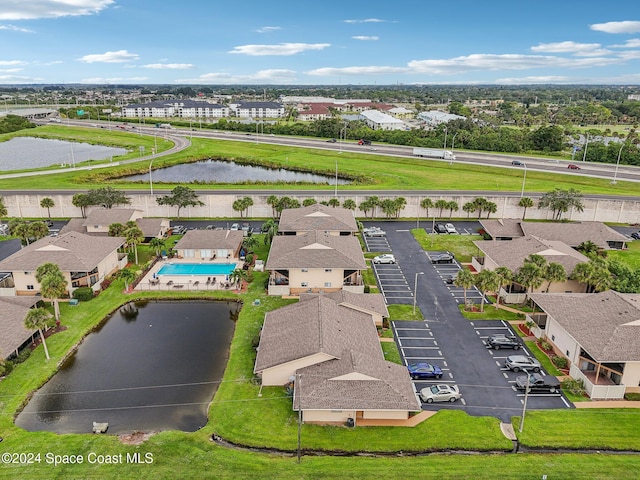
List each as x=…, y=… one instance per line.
x=538, y=383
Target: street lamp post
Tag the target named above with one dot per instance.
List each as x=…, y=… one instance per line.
x=586, y=144
x=415, y=291
x=453, y=143
x=615, y=175
x=524, y=178
x=445, y=138
x=526, y=397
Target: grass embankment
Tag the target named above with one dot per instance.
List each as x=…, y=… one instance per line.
x=629, y=257
x=460, y=245
x=383, y=172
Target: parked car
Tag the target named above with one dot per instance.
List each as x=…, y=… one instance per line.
x=179, y=230
x=210, y=227
x=235, y=226
x=538, y=383
x=449, y=279
x=504, y=341
x=373, y=232
x=517, y=163
x=424, y=370
x=440, y=228
x=450, y=228
x=385, y=258
x=440, y=393
x=522, y=362
x=442, y=258
x=247, y=229
x=573, y=166
x=635, y=235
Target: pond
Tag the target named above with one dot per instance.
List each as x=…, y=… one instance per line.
x=151, y=366
x=217, y=171
x=21, y=153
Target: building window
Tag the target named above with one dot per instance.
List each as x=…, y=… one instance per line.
x=304, y=270
x=304, y=284
x=553, y=338
x=27, y=273
x=327, y=284
x=566, y=353
x=30, y=287
x=327, y=270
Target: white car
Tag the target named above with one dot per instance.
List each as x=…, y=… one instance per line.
x=440, y=393
x=385, y=258
x=235, y=226
x=450, y=228
x=374, y=232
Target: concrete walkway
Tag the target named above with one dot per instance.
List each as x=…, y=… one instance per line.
x=607, y=404
x=410, y=422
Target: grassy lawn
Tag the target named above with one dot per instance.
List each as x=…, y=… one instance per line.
x=391, y=352
x=404, y=312
x=630, y=257
x=491, y=313
x=460, y=245
x=543, y=359
x=382, y=172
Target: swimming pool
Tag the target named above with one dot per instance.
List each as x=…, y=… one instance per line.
x=197, y=269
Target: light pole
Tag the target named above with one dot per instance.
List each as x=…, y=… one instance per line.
x=336, y=190
x=524, y=178
x=415, y=291
x=615, y=175
x=453, y=143
x=524, y=406
x=586, y=144
x=445, y=138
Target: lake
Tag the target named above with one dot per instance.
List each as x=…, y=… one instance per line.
x=22, y=153
x=151, y=366
x=217, y=171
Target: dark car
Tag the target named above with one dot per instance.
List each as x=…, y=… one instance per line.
x=424, y=370
x=573, y=166
x=517, y=163
x=449, y=279
x=362, y=141
x=440, y=228
x=332, y=140
x=538, y=383
x=504, y=341
x=442, y=258
x=635, y=235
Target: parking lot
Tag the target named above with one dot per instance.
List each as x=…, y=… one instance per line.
x=393, y=283
x=377, y=244
x=449, y=271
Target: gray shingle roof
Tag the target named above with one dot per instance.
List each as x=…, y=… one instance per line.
x=504, y=227
x=315, y=250
x=106, y=216
x=210, y=239
x=14, y=311
x=71, y=251
x=151, y=227
x=317, y=325
x=370, y=302
x=512, y=253
x=317, y=217
x=606, y=324
x=355, y=381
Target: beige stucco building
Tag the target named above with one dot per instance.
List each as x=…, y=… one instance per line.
x=203, y=245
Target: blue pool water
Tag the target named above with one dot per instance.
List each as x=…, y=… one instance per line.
x=197, y=269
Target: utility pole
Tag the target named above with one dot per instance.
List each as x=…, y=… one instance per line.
x=524, y=407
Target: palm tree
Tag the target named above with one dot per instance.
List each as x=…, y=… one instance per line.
x=249, y=243
x=128, y=276
x=53, y=285
x=453, y=207
x=47, y=203
x=39, y=319
x=116, y=230
x=134, y=237
x=554, y=272
x=273, y=201
x=426, y=203
x=464, y=279
x=3, y=209
x=504, y=277
x=237, y=276
x=270, y=229
x=525, y=202
x=441, y=204
x=307, y=202
x=22, y=231
x=37, y=230
x=530, y=276
x=349, y=204
x=334, y=202
x=157, y=244
x=485, y=281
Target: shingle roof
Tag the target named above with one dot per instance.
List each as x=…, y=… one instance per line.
x=151, y=227
x=106, y=216
x=317, y=217
x=315, y=250
x=511, y=254
x=355, y=381
x=317, y=325
x=505, y=227
x=369, y=302
x=606, y=324
x=14, y=311
x=72, y=251
x=199, y=239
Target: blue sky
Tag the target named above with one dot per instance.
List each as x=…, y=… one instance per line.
x=329, y=42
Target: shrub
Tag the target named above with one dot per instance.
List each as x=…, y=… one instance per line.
x=546, y=346
x=249, y=258
x=6, y=368
x=574, y=386
x=23, y=355
x=634, y=397
x=84, y=294
x=560, y=362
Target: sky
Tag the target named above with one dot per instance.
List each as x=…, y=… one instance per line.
x=329, y=42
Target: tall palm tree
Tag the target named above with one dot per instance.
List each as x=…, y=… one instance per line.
x=39, y=319
x=128, y=276
x=53, y=285
x=485, y=281
x=3, y=209
x=464, y=279
x=525, y=202
x=270, y=229
x=504, y=277
x=530, y=276
x=237, y=276
x=47, y=203
x=554, y=272
x=158, y=244
x=426, y=203
x=134, y=237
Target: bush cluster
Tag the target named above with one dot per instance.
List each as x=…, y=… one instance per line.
x=84, y=294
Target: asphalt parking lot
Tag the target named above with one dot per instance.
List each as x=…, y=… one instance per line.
x=450, y=270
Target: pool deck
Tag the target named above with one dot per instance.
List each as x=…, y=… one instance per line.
x=151, y=281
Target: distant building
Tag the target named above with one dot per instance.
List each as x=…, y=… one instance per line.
x=434, y=117
x=382, y=121
x=175, y=109
x=259, y=110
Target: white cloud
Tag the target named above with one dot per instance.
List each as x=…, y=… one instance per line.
x=366, y=20
x=280, y=49
x=98, y=80
x=121, y=56
x=371, y=70
x=18, y=79
x=168, y=66
x=617, y=27
x=274, y=76
x=11, y=63
x=578, y=49
x=629, y=55
x=14, y=28
x=268, y=29
x=33, y=9
x=11, y=70
x=491, y=62
x=365, y=37
x=530, y=80
x=632, y=43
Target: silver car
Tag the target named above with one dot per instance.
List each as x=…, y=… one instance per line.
x=385, y=258
x=522, y=362
x=374, y=232
x=440, y=393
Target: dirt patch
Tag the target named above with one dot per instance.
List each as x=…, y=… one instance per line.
x=135, y=438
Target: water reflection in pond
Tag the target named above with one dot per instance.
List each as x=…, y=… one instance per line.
x=152, y=366
x=21, y=153
x=217, y=171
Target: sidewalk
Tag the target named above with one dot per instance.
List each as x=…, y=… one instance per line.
x=607, y=404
